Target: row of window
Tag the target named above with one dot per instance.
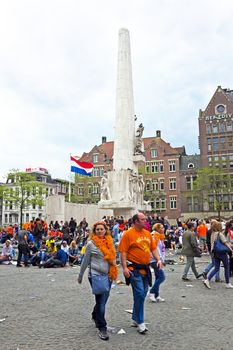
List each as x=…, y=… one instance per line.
x=158, y=166
x=10, y=206
x=158, y=184
x=225, y=161
x=219, y=127
x=14, y=218
x=160, y=203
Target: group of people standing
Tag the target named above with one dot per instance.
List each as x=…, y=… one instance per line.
x=224, y=254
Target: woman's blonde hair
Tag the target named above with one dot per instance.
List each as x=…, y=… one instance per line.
x=157, y=226
x=216, y=226
x=73, y=243
x=103, y=223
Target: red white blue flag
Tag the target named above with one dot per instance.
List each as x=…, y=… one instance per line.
x=83, y=168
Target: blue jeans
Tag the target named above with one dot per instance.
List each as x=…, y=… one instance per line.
x=209, y=267
x=159, y=278
x=98, y=313
x=226, y=263
x=139, y=285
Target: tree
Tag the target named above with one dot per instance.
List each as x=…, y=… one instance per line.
x=83, y=190
x=22, y=190
x=210, y=187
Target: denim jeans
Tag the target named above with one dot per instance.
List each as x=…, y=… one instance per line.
x=98, y=313
x=159, y=278
x=226, y=263
x=190, y=263
x=209, y=267
x=139, y=285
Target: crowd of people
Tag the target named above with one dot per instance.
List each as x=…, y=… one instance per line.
x=139, y=243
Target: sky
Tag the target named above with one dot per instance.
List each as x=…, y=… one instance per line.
x=58, y=71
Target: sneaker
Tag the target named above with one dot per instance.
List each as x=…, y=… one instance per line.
x=159, y=299
x=142, y=328
x=103, y=334
x=152, y=298
x=185, y=278
x=207, y=283
x=228, y=286
x=134, y=323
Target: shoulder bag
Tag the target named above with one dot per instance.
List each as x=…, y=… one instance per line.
x=100, y=284
x=220, y=247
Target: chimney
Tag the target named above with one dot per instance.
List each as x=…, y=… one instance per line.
x=158, y=133
x=104, y=139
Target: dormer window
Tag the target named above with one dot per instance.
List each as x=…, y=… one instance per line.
x=95, y=158
x=190, y=165
x=153, y=153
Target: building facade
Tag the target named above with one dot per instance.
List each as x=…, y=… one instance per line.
x=10, y=213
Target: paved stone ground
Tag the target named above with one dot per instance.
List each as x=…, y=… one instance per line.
x=46, y=309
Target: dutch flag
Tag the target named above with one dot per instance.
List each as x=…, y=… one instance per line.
x=82, y=168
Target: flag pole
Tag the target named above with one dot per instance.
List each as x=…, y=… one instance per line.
x=70, y=182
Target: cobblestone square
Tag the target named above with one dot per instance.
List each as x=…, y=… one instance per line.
x=46, y=309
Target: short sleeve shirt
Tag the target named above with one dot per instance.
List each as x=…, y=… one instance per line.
x=137, y=245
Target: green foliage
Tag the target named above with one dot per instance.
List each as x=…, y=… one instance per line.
x=22, y=190
x=210, y=186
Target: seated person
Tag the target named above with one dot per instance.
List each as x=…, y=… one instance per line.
x=7, y=252
x=73, y=253
x=64, y=246
x=33, y=258
x=59, y=259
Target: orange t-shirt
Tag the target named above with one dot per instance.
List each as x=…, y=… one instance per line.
x=137, y=245
x=202, y=230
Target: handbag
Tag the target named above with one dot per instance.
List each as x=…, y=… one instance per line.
x=100, y=284
x=220, y=247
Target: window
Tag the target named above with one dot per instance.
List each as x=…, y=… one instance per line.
x=229, y=126
x=172, y=165
x=161, y=184
x=147, y=185
x=163, y=203
x=80, y=190
x=101, y=171
x=172, y=183
x=89, y=189
x=189, y=204
x=27, y=217
x=208, y=128
x=173, y=202
x=190, y=165
x=221, y=127
x=188, y=183
x=161, y=167
x=6, y=218
x=95, y=189
x=215, y=147
x=215, y=128
x=153, y=153
x=157, y=203
x=95, y=172
x=147, y=167
x=95, y=158
x=154, y=167
x=155, y=185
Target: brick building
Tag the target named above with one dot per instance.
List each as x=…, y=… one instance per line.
x=161, y=173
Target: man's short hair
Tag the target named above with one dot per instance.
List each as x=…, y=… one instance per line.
x=190, y=225
x=135, y=218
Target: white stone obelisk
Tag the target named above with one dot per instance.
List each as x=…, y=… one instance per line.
x=122, y=188
x=124, y=141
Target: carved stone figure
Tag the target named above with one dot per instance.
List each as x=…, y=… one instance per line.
x=139, y=142
x=104, y=188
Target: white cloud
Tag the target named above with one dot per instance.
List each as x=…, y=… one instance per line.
x=58, y=73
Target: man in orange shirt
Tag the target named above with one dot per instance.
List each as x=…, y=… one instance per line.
x=201, y=233
x=136, y=247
